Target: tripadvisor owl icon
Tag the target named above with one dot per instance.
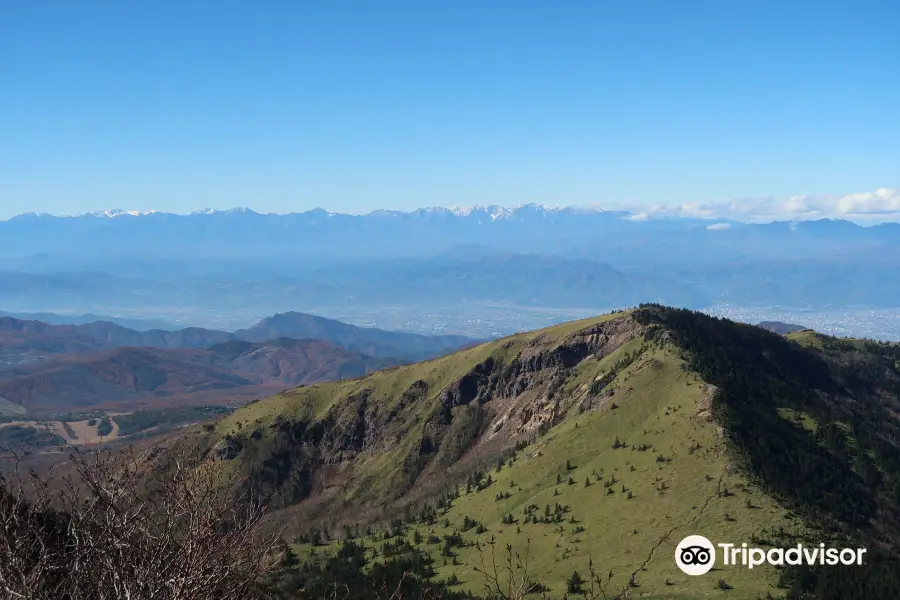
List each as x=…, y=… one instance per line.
x=695, y=555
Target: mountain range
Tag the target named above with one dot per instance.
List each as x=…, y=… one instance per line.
x=50, y=318
x=244, y=234
x=35, y=339
x=135, y=377
x=57, y=368
x=435, y=270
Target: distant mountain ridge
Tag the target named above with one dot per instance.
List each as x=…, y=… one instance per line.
x=527, y=279
x=18, y=336
x=438, y=266
x=224, y=373
x=780, y=327
x=493, y=211
x=246, y=234
x=37, y=339
x=365, y=340
x=138, y=324
x=56, y=368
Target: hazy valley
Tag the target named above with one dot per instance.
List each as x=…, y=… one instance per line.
x=480, y=272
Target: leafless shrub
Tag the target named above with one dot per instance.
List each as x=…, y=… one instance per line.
x=509, y=580
x=602, y=588
x=121, y=526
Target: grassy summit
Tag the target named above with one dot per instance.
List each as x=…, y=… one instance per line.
x=608, y=439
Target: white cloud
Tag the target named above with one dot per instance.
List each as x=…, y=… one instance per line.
x=718, y=226
x=645, y=213
x=883, y=201
x=699, y=211
x=868, y=207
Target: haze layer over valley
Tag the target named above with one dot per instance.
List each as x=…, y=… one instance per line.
x=479, y=272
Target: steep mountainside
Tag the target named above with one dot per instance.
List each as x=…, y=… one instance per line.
x=221, y=374
x=692, y=425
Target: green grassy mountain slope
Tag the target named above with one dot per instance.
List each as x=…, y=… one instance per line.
x=608, y=439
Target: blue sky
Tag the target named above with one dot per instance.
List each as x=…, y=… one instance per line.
x=284, y=106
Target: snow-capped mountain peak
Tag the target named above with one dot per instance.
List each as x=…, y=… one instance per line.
x=216, y=211
x=111, y=213
x=493, y=211
x=478, y=212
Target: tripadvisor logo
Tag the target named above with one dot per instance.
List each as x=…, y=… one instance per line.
x=696, y=555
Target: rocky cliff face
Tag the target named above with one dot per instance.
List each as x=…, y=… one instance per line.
x=409, y=442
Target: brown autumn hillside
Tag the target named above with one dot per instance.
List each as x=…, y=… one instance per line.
x=18, y=335
x=24, y=340
x=146, y=376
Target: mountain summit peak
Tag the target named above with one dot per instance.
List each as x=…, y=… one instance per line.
x=111, y=213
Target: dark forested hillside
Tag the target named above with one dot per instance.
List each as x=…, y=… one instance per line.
x=844, y=472
x=849, y=388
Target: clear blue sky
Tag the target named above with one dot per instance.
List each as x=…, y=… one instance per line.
x=284, y=106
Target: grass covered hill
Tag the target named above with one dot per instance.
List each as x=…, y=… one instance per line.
x=605, y=440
